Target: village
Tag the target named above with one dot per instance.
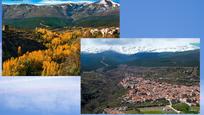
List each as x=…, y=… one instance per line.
x=141, y=90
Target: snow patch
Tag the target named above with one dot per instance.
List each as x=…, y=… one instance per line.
x=133, y=46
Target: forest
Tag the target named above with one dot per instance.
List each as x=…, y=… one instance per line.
x=56, y=53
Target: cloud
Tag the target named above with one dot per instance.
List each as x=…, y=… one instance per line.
x=45, y=2
x=42, y=95
x=138, y=44
x=139, y=41
x=50, y=2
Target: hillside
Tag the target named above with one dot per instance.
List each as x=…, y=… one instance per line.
x=14, y=39
x=43, y=52
x=148, y=59
x=96, y=14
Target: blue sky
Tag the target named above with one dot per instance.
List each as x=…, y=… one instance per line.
x=162, y=18
x=46, y=1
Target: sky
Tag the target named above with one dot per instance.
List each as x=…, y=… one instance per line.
x=46, y=2
x=162, y=18
x=40, y=96
x=132, y=46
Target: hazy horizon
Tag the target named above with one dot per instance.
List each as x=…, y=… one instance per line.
x=47, y=2
x=132, y=46
x=40, y=96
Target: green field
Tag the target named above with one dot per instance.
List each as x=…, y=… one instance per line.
x=184, y=108
x=149, y=110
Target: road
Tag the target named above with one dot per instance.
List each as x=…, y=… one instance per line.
x=102, y=61
x=170, y=106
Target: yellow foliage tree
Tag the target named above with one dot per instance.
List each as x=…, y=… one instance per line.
x=50, y=68
x=19, y=50
x=62, y=56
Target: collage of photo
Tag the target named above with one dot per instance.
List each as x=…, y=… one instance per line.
x=62, y=57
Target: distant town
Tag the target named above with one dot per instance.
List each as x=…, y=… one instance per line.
x=152, y=87
x=140, y=90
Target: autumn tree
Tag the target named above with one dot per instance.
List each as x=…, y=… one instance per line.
x=19, y=50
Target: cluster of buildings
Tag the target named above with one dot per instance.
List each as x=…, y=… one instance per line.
x=105, y=31
x=141, y=90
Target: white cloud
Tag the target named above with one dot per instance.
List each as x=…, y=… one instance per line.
x=40, y=94
x=46, y=2
x=131, y=46
x=52, y=2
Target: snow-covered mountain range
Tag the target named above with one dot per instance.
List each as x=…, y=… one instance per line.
x=68, y=13
x=133, y=46
x=107, y=3
x=69, y=9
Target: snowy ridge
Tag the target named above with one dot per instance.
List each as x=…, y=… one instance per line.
x=134, y=50
x=63, y=2
x=136, y=46
x=107, y=3
x=42, y=3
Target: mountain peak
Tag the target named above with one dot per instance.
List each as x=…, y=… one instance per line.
x=107, y=3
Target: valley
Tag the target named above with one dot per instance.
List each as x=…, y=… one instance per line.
x=144, y=81
x=130, y=89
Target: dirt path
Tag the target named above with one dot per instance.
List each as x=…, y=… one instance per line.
x=170, y=106
x=102, y=61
